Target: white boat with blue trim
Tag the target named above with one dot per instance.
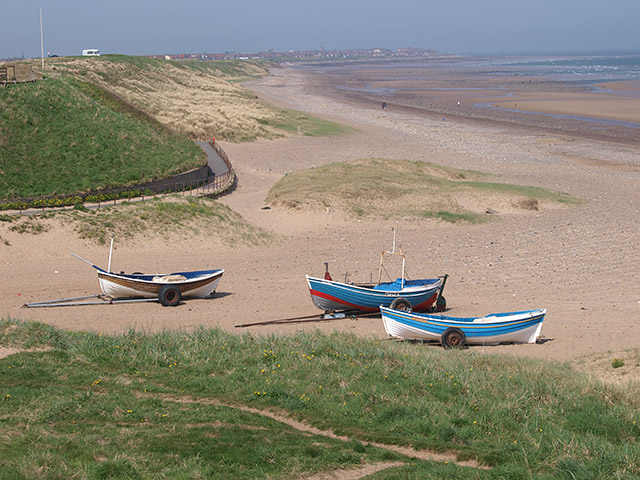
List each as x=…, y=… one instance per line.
x=169, y=288
x=510, y=327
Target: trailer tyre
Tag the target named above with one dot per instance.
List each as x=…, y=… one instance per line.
x=401, y=304
x=441, y=304
x=453, y=338
x=170, y=296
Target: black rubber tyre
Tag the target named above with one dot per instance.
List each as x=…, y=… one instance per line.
x=441, y=304
x=170, y=296
x=401, y=304
x=453, y=338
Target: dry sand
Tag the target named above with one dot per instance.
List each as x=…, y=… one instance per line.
x=581, y=263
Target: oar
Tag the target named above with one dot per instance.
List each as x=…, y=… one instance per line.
x=85, y=261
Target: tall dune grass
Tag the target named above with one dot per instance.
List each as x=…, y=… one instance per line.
x=199, y=99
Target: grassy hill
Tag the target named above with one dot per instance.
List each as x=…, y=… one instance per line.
x=118, y=120
x=198, y=99
x=64, y=135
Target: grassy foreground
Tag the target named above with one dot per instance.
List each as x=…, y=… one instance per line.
x=174, y=405
x=403, y=188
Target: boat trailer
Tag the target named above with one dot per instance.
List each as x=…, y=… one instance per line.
x=76, y=301
x=347, y=314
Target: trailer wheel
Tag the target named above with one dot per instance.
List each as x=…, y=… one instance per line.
x=441, y=304
x=453, y=338
x=401, y=304
x=170, y=296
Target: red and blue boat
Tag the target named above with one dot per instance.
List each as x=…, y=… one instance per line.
x=329, y=295
x=403, y=294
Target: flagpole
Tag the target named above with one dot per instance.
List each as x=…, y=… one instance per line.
x=41, y=40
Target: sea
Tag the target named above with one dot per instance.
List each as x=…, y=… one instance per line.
x=583, y=71
x=579, y=69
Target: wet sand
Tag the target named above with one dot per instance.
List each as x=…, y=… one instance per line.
x=451, y=89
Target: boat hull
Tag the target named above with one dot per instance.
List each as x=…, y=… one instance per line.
x=329, y=295
x=195, y=284
x=512, y=327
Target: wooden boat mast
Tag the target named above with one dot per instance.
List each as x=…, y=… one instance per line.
x=392, y=252
x=110, y=252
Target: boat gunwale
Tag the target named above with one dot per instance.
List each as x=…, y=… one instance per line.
x=212, y=274
x=413, y=289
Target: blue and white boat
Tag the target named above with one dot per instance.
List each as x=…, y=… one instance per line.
x=402, y=294
x=329, y=295
x=511, y=327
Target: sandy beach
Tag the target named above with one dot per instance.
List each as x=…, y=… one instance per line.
x=580, y=263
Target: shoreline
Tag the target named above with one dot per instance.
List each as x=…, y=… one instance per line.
x=608, y=112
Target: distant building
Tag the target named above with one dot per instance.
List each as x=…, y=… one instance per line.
x=416, y=52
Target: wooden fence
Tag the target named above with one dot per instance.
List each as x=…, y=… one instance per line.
x=17, y=73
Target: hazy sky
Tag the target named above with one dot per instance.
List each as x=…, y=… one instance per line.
x=139, y=27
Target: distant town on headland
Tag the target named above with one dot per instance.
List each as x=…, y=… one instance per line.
x=275, y=55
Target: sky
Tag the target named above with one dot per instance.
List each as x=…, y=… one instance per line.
x=467, y=27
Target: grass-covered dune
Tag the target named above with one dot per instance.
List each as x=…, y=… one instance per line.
x=199, y=99
x=166, y=216
x=117, y=120
x=383, y=188
x=208, y=404
x=63, y=135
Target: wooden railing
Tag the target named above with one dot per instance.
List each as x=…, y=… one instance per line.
x=228, y=179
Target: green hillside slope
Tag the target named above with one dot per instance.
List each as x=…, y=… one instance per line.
x=61, y=135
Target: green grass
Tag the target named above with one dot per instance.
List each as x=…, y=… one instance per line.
x=61, y=135
x=174, y=214
x=294, y=121
x=402, y=188
x=165, y=405
x=166, y=215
